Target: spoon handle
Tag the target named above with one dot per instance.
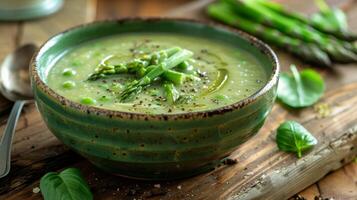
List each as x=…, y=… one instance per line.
x=6, y=140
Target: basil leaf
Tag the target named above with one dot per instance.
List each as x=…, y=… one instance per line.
x=329, y=19
x=293, y=137
x=300, y=89
x=68, y=185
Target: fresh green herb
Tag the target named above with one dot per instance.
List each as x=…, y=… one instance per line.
x=302, y=89
x=293, y=137
x=332, y=20
x=67, y=185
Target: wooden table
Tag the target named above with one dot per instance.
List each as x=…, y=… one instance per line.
x=36, y=151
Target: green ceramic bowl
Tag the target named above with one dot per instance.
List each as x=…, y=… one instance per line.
x=163, y=146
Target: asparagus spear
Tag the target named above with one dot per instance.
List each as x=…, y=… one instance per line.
x=338, y=50
x=178, y=77
x=331, y=21
x=169, y=75
x=171, y=93
x=135, y=66
x=136, y=86
x=175, y=77
x=103, y=69
x=309, y=51
x=278, y=8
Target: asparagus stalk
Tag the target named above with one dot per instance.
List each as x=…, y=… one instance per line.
x=178, y=77
x=278, y=8
x=169, y=75
x=184, y=66
x=330, y=21
x=309, y=51
x=135, y=66
x=173, y=76
x=171, y=93
x=338, y=50
x=136, y=86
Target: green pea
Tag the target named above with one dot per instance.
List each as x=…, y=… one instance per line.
x=88, y=101
x=68, y=72
x=68, y=84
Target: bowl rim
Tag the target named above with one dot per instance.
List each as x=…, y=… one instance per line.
x=263, y=47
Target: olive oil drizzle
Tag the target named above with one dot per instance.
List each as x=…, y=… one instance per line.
x=222, y=77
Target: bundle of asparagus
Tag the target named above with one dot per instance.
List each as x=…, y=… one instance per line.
x=311, y=39
x=155, y=66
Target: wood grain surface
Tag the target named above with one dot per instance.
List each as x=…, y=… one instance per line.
x=262, y=172
x=8, y=42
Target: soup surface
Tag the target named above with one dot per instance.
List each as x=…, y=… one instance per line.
x=222, y=74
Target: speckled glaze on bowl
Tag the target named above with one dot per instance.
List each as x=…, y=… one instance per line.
x=163, y=146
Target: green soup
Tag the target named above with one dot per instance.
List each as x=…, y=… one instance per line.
x=226, y=74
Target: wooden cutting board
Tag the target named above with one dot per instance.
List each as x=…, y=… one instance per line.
x=261, y=172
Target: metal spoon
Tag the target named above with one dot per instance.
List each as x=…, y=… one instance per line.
x=15, y=86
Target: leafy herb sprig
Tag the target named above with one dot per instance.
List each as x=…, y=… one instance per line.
x=332, y=20
x=293, y=137
x=300, y=89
